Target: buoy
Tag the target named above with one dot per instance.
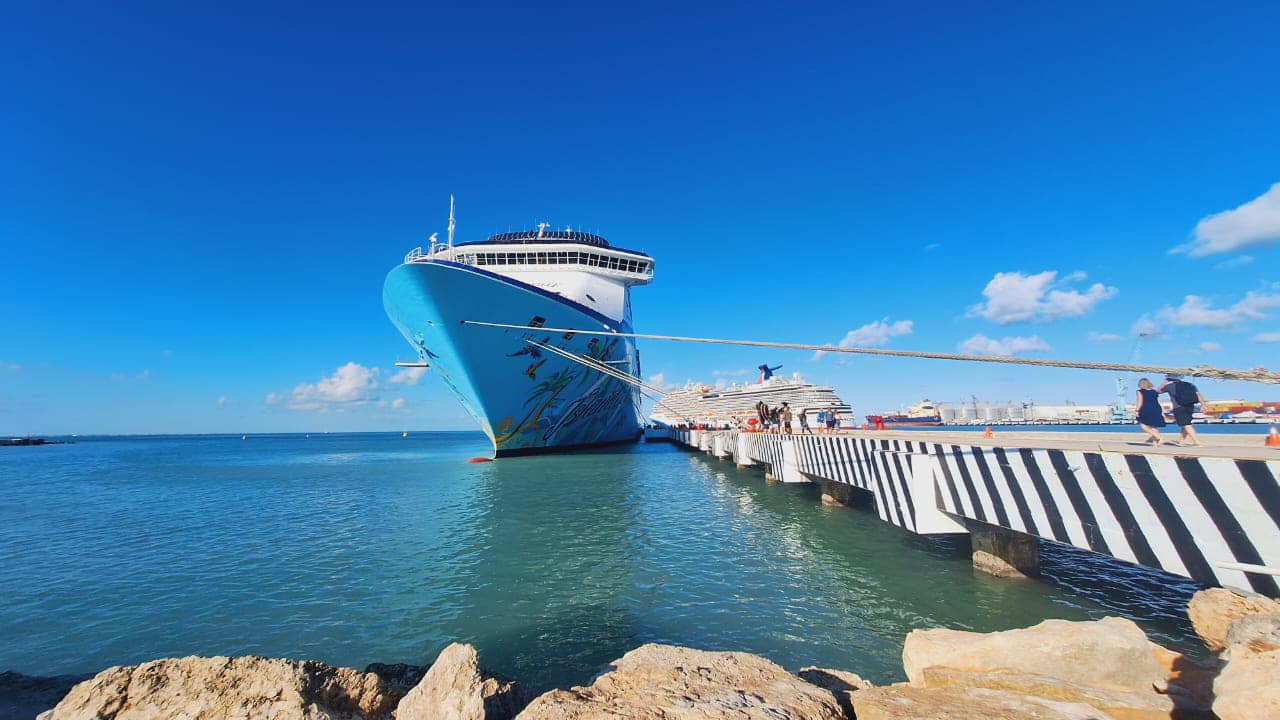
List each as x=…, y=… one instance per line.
x=1273, y=438
x=987, y=433
x=404, y=434
x=480, y=460
x=244, y=437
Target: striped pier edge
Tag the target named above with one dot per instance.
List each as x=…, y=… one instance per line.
x=1198, y=517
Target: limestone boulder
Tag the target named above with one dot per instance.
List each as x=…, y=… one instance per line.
x=1111, y=653
x=1120, y=704
x=1212, y=612
x=1259, y=632
x=220, y=688
x=840, y=683
x=905, y=702
x=666, y=682
x=1248, y=688
x=455, y=688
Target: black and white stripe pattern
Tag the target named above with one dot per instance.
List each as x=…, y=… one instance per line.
x=1183, y=515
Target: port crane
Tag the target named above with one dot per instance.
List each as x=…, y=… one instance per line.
x=1120, y=410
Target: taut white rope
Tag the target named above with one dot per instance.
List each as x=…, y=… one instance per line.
x=1258, y=374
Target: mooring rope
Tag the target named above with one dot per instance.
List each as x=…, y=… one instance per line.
x=653, y=392
x=1258, y=374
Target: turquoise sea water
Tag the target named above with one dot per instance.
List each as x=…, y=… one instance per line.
x=352, y=549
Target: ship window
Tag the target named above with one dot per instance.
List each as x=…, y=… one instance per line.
x=573, y=257
x=520, y=258
x=613, y=263
x=542, y=258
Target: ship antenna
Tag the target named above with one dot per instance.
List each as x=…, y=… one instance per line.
x=450, y=221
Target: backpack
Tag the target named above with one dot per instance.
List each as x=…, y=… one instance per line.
x=1185, y=394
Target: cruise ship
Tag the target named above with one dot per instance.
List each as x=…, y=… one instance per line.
x=734, y=405
x=530, y=390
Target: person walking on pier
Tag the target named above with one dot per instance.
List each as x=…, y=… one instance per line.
x=1185, y=397
x=1150, y=414
x=785, y=416
x=804, y=422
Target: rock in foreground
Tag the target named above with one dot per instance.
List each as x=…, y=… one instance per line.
x=1213, y=611
x=903, y=702
x=220, y=688
x=1110, y=653
x=665, y=682
x=453, y=689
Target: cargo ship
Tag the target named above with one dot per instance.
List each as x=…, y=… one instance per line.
x=922, y=414
x=530, y=390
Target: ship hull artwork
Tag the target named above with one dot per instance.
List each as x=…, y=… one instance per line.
x=527, y=397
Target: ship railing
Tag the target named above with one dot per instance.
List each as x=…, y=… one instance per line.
x=414, y=254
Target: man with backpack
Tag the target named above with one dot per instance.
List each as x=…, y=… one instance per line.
x=1185, y=397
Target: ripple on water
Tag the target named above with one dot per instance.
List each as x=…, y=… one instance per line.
x=359, y=548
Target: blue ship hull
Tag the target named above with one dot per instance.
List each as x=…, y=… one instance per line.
x=525, y=399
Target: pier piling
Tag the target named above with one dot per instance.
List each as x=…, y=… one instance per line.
x=1004, y=553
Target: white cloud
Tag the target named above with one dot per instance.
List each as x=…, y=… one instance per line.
x=408, y=376
x=740, y=372
x=1253, y=224
x=659, y=380
x=273, y=399
x=397, y=403
x=350, y=386
x=1146, y=326
x=932, y=246
x=1017, y=297
x=875, y=334
x=1104, y=337
x=1196, y=311
x=1234, y=262
x=12, y=367
x=1267, y=337
x=982, y=345
x=1210, y=347
x=223, y=400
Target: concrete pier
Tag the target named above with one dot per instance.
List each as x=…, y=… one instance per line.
x=1209, y=513
x=1004, y=553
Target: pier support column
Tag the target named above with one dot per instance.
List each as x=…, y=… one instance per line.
x=834, y=493
x=789, y=472
x=1004, y=553
x=740, y=456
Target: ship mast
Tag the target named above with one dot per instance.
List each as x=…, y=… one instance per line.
x=450, y=221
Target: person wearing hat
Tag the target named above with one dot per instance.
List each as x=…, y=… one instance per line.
x=1185, y=397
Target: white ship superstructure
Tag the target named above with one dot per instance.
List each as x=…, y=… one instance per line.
x=731, y=405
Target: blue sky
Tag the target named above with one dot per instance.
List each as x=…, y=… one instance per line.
x=198, y=204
